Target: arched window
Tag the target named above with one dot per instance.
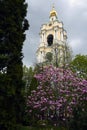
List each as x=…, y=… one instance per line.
x=50, y=39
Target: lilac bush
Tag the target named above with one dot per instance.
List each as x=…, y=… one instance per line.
x=59, y=91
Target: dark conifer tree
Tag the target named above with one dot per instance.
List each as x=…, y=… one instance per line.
x=13, y=25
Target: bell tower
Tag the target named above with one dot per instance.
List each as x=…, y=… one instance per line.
x=53, y=41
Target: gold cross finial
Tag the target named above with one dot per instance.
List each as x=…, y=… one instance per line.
x=53, y=6
x=53, y=11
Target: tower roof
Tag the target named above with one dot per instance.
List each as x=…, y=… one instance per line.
x=53, y=12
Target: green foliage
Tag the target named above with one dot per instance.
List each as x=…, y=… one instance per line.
x=33, y=85
x=11, y=30
x=43, y=128
x=79, y=121
x=28, y=73
x=38, y=68
x=49, y=56
x=12, y=35
x=7, y=104
x=28, y=77
x=79, y=65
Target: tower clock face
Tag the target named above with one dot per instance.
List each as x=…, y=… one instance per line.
x=50, y=39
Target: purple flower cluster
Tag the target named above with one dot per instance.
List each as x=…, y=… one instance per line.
x=58, y=92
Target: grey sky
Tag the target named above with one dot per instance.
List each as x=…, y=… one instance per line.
x=73, y=14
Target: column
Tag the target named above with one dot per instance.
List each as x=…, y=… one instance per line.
x=61, y=35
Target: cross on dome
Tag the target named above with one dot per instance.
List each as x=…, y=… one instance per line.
x=53, y=12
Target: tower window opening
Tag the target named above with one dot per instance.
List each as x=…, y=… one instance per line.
x=50, y=40
x=52, y=19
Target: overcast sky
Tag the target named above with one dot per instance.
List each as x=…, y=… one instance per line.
x=73, y=14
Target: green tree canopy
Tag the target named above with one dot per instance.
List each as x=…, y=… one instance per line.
x=79, y=65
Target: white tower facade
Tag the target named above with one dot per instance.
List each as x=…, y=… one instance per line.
x=53, y=46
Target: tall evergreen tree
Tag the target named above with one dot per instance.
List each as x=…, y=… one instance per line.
x=13, y=25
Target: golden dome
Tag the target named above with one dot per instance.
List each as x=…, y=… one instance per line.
x=53, y=12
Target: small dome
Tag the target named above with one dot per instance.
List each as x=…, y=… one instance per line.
x=53, y=12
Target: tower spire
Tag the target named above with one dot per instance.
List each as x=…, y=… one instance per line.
x=53, y=13
x=53, y=6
